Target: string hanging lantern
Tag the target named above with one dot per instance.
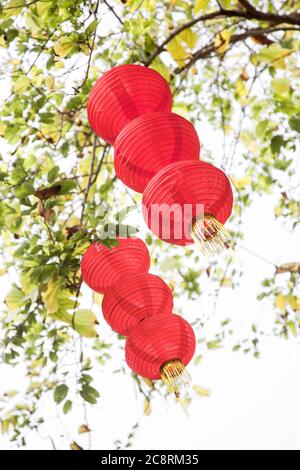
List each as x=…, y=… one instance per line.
x=102, y=267
x=149, y=143
x=190, y=201
x=139, y=305
x=124, y=93
x=160, y=347
x=137, y=297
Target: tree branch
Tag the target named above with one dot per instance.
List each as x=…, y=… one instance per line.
x=189, y=24
x=91, y=52
x=210, y=48
x=20, y=5
x=87, y=189
x=113, y=12
x=249, y=14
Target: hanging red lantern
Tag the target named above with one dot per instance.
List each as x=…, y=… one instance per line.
x=149, y=143
x=124, y=93
x=189, y=201
x=159, y=344
x=138, y=296
x=160, y=347
x=101, y=267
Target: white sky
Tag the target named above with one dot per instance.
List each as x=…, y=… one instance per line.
x=254, y=403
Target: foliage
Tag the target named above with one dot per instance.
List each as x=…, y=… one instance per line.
x=228, y=62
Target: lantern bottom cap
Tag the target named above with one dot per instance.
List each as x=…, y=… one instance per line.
x=175, y=376
x=210, y=235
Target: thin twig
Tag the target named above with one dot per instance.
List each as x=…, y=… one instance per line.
x=22, y=5
x=91, y=52
x=113, y=12
x=87, y=189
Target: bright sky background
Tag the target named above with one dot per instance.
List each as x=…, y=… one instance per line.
x=254, y=403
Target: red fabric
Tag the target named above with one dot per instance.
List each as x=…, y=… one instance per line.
x=149, y=143
x=101, y=267
x=185, y=183
x=156, y=340
x=138, y=296
x=124, y=93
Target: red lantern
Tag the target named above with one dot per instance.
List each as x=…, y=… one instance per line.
x=170, y=205
x=124, y=93
x=160, y=347
x=149, y=143
x=101, y=267
x=138, y=296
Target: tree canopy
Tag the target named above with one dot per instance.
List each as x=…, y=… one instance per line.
x=233, y=64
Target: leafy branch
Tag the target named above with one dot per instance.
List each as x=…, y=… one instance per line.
x=249, y=14
x=206, y=51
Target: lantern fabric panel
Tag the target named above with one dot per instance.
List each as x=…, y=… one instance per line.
x=185, y=183
x=124, y=93
x=149, y=143
x=156, y=340
x=101, y=267
x=138, y=296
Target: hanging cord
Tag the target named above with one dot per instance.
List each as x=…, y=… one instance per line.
x=262, y=258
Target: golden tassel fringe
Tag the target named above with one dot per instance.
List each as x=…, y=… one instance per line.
x=210, y=235
x=174, y=376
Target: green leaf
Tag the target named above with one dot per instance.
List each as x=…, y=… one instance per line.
x=67, y=186
x=50, y=296
x=21, y=85
x=65, y=46
x=89, y=394
x=227, y=3
x=281, y=86
x=200, y=5
x=273, y=53
x=67, y=407
x=24, y=190
x=292, y=328
x=201, y=391
x=52, y=174
x=276, y=143
x=177, y=51
x=189, y=37
x=60, y=393
x=295, y=124
x=91, y=27
x=170, y=263
x=32, y=22
x=84, y=322
x=214, y=344
x=161, y=68
x=5, y=425
x=14, y=299
x=43, y=7
x=281, y=302
x=13, y=7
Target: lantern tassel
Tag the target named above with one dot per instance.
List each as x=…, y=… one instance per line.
x=175, y=376
x=210, y=235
